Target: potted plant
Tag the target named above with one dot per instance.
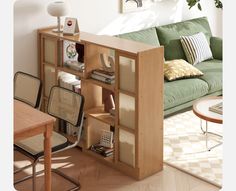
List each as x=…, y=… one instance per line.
x=192, y=3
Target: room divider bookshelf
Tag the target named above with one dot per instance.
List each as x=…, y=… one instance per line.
x=138, y=92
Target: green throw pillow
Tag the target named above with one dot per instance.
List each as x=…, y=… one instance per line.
x=178, y=69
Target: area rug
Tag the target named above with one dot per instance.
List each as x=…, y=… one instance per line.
x=185, y=147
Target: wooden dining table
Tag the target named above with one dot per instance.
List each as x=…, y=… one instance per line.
x=29, y=122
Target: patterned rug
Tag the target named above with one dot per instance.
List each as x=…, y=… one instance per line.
x=185, y=147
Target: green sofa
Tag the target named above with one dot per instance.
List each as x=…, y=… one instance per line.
x=180, y=94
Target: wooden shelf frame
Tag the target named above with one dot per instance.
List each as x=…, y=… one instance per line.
x=147, y=93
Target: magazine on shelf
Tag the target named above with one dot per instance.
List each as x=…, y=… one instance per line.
x=104, y=73
x=104, y=151
x=103, y=79
x=217, y=108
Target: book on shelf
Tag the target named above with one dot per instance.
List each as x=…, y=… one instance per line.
x=102, y=78
x=75, y=65
x=217, y=108
x=104, y=73
x=69, y=81
x=104, y=151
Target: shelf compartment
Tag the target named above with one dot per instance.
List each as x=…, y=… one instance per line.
x=94, y=129
x=50, y=50
x=127, y=147
x=101, y=84
x=72, y=60
x=99, y=114
x=93, y=57
x=127, y=72
x=71, y=71
x=126, y=111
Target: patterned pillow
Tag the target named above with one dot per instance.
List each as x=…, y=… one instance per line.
x=178, y=69
x=196, y=48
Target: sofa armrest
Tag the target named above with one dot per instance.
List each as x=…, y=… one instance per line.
x=216, y=47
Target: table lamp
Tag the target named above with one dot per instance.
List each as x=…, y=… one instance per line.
x=58, y=9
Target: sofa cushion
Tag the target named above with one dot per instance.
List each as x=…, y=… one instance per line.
x=169, y=35
x=216, y=47
x=148, y=36
x=212, y=70
x=178, y=69
x=196, y=48
x=181, y=91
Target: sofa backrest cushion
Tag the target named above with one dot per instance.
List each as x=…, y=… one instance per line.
x=169, y=35
x=148, y=36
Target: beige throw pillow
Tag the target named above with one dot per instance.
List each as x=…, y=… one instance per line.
x=178, y=69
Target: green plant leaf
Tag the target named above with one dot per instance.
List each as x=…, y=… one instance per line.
x=199, y=6
x=192, y=3
x=218, y=4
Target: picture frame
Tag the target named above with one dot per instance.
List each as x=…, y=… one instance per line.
x=128, y=6
x=71, y=26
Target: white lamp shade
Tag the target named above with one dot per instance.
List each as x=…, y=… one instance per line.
x=58, y=8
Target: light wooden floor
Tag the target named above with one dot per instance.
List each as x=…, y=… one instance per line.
x=95, y=176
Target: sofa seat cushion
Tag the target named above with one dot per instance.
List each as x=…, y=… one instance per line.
x=181, y=91
x=212, y=70
x=169, y=35
x=148, y=36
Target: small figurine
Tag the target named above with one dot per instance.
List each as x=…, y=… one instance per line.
x=108, y=63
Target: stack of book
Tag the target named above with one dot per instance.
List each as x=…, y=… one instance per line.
x=104, y=151
x=69, y=81
x=75, y=65
x=104, y=76
x=218, y=108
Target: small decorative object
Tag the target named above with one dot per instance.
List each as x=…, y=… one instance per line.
x=135, y=5
x=71, y=26
x=70, y=53
x=58, y=9
x=108, y=63
x=106, y=139
x=73, y=55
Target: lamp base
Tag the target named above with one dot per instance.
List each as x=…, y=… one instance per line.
x=57, y=31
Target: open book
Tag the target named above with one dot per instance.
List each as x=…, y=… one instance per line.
x=217, y=108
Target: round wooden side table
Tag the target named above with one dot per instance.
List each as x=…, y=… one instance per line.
x=201, y=109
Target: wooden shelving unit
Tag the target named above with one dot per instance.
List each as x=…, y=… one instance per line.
x=138, y=92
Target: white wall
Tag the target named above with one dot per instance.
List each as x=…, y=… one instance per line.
x=99, y=17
